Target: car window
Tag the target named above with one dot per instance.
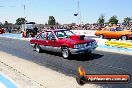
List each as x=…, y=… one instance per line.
x=69, y=33
x=64, y=34
x=42, y=36
x=50, y=36
x=112, y=29
x=119, y=29
x=60, y=34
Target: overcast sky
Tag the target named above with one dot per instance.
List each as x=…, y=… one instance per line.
x=63, y=10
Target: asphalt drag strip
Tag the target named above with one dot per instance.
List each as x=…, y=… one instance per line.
x=99, y=62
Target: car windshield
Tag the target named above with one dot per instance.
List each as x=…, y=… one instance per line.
x=119, y=29
x=64, y=34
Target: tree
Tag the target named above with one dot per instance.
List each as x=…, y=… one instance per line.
x=6, y=23
x=20, y=21
x=113, y=20
x=51, y=20
x=127, y=20
x=101, y=19
x=1, y=24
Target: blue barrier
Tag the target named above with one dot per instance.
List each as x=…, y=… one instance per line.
x=17, y=36
x=6, y=82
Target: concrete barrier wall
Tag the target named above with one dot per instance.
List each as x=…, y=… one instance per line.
x=100, y=41
x=85, y=32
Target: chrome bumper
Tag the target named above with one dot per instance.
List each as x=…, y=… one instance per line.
x=83, y=50
x=32, y=45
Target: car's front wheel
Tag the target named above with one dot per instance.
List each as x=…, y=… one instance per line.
x=101, y=36
x=38, y=48
x=123, y=37
x=65, y=52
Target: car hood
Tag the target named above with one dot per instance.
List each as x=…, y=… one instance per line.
x=127, y=30
x=77, y=39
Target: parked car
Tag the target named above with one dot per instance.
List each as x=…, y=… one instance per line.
x=114, y=33
x=2, y=31
x=63, y=41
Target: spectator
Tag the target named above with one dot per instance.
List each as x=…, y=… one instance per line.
x=52, y=28
x=36, y=30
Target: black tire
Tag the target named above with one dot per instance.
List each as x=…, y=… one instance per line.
x=101, y=36
x=123, y=37
x=65, y=52
x=34, y=46
x=38, y=48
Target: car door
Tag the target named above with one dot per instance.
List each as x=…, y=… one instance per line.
x=50, y=42
x=115, y=33
x=41, y=39
x=110, y=33
x=107, y=33
x=53, y=44
x=119, y=32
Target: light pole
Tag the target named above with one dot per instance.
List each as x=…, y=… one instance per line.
x=79, y=12
x=24, y=9
x=78, y=7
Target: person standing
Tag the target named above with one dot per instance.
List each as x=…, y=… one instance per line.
x=36, y=30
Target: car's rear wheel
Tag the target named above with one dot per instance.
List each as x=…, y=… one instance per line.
x=123, y=37
x=101, y=36
x=65, y=52
x=38, y=48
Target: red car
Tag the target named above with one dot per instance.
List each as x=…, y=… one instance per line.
x=63, y=41
x=2, y=31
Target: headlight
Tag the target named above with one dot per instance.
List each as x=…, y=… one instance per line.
x=76, y=46
x=80, y=45
x=92, y=43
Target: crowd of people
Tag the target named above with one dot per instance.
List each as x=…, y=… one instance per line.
x=82, y=27
x=32, y=33
x=37, y=28
x=72, y=27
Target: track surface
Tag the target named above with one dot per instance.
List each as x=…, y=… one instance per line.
x=98, y=63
